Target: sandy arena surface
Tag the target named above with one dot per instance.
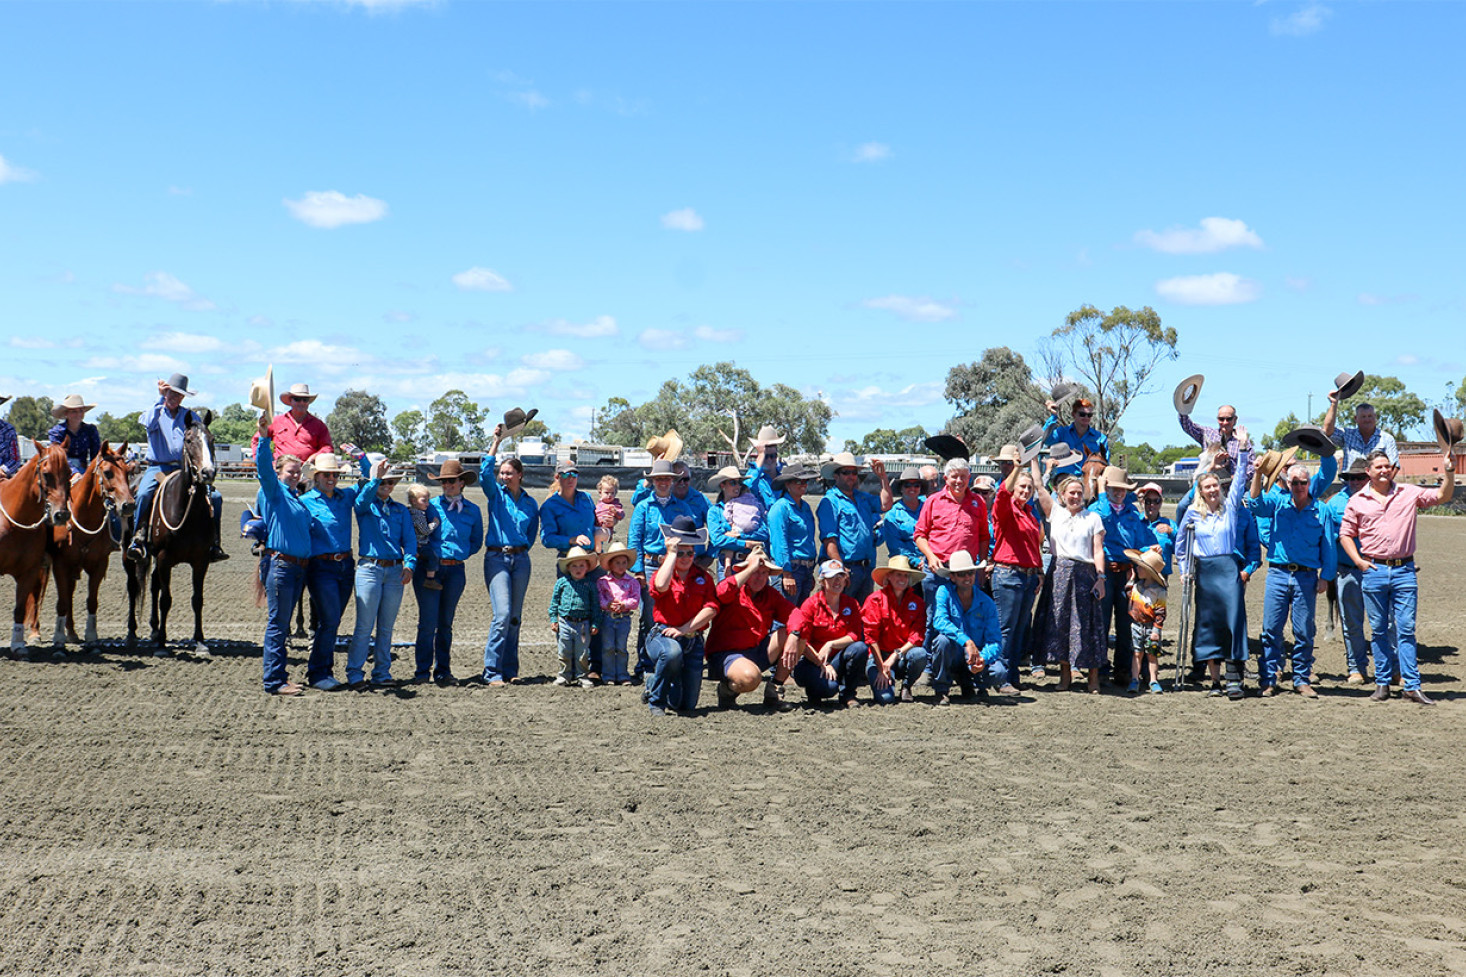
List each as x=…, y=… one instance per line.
x=165, y=816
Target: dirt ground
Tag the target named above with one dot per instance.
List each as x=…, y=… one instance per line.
x=163, y=816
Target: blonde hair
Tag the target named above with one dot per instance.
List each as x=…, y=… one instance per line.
x=282, y=459
x=1064, y=484
x=417, y=490
x=609, y=482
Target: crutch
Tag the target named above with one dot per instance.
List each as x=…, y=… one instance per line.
x=1184, y=641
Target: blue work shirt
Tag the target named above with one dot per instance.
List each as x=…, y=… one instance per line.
x=384, y=526
x=84, y=445
x=510, y=521
x=758, y=479
x=645, y=535
x=561, y=521
x=898, y=531
x=287, y=520
x=719, y=540
x=1124, y=530
x=1301, y=536
x=460, y=534
x=978, y=623
x=165, y=433
x=696, y=502
x=1093, y=441
x=1336, y=504
x=9, y=449
x=330, y=520
x=791, y=532
x=851, y=522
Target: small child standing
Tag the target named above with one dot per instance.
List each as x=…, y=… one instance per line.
x=620, y=597
x=575, y=615
x=1146, y=592
x=425, y=526
x=609, y=511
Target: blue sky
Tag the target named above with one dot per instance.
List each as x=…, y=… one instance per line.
x=552, y=204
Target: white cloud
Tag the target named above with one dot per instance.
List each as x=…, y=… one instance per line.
x=1221, y=288
x=710, y=335
x=601, y=327
x=154, y=363
x=325, y=357
x=871, y=152
x=331, y=208
x=398, y=316
x=521, y=379
x=1407, y=359
x=482, y=280
x=10, y=173
x=553, y=359
x=260, y=321
x=530, y=99
x=685, y=219
x=186, y=342
x=912, y=308
x=662, y=339
x=30, y=342
x=1298, y=284
x=160, y=284
x=881, y=403
x=1369, y=298
x=1306, y=20
x=1215, y=234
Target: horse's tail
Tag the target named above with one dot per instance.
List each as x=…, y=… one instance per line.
x=1332, y=596
x=257, y=587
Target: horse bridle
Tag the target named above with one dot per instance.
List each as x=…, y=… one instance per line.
x=48, y=511
x=109, y=506
x=196, y=478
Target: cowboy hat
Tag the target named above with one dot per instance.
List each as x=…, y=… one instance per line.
x=1061, y=452
x=301, y=390
x=909, y=474
x=757, y=554
x=1150, y=564
x=1348, y=384
x=1186, y=393
x=1062, y=389
x=958, y=562
x=1309, y=437
x=1117, y=477
x=1272, y=464
x=178, y=383
x=453, y=468
x=1032, y=433
x=1448, y=431
x=795, y=473
x=70, y=402
x=947, y=447
x=896, y=564
x=1358, y=468
x=767, y=436
x=4, y=398
x=684, y=529
x=574, y=555
x=842, y=460
x=668, y=446
x=262, y=391
x=1010, y=452
x=515, y=419
x=326, y=463
x=392, y=473
x=661, y=468
x=1030, y=452
x=615, y=550
x=728, y=473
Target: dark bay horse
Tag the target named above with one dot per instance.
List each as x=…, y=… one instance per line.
x=182, y=531
x=100, y=502
x=32, y=502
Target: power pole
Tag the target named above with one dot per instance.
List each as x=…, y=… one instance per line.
x=1308, y=419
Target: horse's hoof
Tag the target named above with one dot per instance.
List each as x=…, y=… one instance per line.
x=161, y=653
x=59, y=655
x=201, y=652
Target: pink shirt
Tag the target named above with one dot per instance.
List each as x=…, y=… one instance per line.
x=303, y=439
x=1385, y=527
x=624, y=588
x=948, y=525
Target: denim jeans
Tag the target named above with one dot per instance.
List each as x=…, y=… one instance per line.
x=1389, y=599
x=595, y=574
x=282, y=593
x=615, y=632
x=906, y=670
x=931, y=585
x=574, y=649
x=803, y=583
x=1351, y=617
x=1115, y=612
x=949, y=665
x=435, y=612
x=644, y=662
x=507, y=577
x=1014, y=592
x=676, y=675
x=379, y=593
x=1288, y=594
x=860, y=584
x=329, y=583
x=811, y=678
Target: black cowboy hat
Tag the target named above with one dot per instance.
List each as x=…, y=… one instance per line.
x=515, y=418
x=684, y=529
x=1348, y=384
x=1309, y=437
x=796, y=473
x=947, y=446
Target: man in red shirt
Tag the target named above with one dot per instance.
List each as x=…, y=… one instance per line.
x=684, y=602
x=742, y=642
x=298, y=432
x=955, y=518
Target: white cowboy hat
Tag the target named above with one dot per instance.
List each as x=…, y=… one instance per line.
x=71, y=402
x=297, y=390
x=842, y=460
x=262, y=391
x=572, y=555
x=959, y=562
x=767, y=436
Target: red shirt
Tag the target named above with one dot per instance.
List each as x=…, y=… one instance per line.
x=303, y=439
x=683, y=598
x=744, y=618
x=948, y=525
x=892, y=622
x=1019, y=534
x=1384, y=525
x=816, y=623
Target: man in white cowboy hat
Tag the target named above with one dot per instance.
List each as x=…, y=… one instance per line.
x=166, y=421
x=297, y=431
x=85, y=441
x=9, y=447
x=1364, y=437
x=1125, y=529
x=848, y=519
x=1225, y=437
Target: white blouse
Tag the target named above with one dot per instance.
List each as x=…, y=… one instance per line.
x=1073, y=534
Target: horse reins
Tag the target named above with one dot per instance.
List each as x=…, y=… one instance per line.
x=45, y=506
x=109, y=505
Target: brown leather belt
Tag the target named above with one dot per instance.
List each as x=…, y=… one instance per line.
x=1402, y=561
x=292, y=560
x=381, y=563
x=509, y=550
x=1117, y=567
x=333, y=557
x=450, y=563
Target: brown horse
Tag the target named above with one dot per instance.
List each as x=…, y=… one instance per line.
x=182, y=531
x=100, y=498
x=1089, y=473
x=31, y=502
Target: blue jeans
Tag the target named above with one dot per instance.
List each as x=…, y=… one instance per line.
x=435, y=612
x=329, y=582
x=615, y=660
x=379, y=593
x=907, y=670
x=1014, y=592
x=1351, y=617
x=676, y=676
x=849, y=665
x=597, y=573
x=574, y=648
x=1115, y=612
x=860, y=584
x=282, y=593
x=803, y=583
x=931, y=585
x=949, y=665
x=1287, y=594
x=1389, y=599
x=507, y=577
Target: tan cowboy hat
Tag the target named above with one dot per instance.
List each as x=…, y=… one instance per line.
x=896, y=564
x=297, y=390
x=842, y=460
x=262, y=391
x=71, y=402
x=326, y=463
x=1186, y=393
x=573, y=554
x=1010, y=452
x=958, y=562
x=1117, y=477
x=668, y=446
x=757, y=555
x=453, y=468
x=767, y=436
x=1150, y=564
x=615, y=550
x=728, y=473
x=515, y=419
x=1272, y=464
x=1448, y=431
x=1348, y=384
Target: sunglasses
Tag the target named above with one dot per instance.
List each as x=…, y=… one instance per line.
x=964, y=573
x=1221, y=420
x=689, y=554
x=1298, y=481
x=449, y=481
x=848, y=471
x=1084, y=413
x=685, y=478
x=570, y=474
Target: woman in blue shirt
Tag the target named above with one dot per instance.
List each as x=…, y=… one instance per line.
x=388, y=546
x=1207, y=544
x=898, y=525
x=332, y=571
x=512, y=524
x=288, y=541
x=460, y=535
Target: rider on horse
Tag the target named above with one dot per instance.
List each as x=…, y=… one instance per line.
x=86, y=440
x=165, y=422
x=9, y=447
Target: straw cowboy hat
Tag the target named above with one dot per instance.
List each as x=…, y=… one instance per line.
x=959, y=562
x=327, y=463
x=767, y=437
x=1010, y=452
x=1272, y=464
x=947, y=447
x=796, y=473
x=896, y=564
x=573, y=555
x=1117, y=477
x=668, y=446
x=262, y=391
x=728, y=473
x=298, y=390
x=1448, y=431
x=756, y=555
x=662, y=468
x=178, y=383
x=453, y=468
x=1186, y=393
x=1150, y=564
x=842, y=460
x=71, y=402
x=1348, y=384
x=684, y=530
x=615, y=550
x=515, y=419
x=1309, y=437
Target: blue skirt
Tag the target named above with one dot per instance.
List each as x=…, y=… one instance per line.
x=1221, y=612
